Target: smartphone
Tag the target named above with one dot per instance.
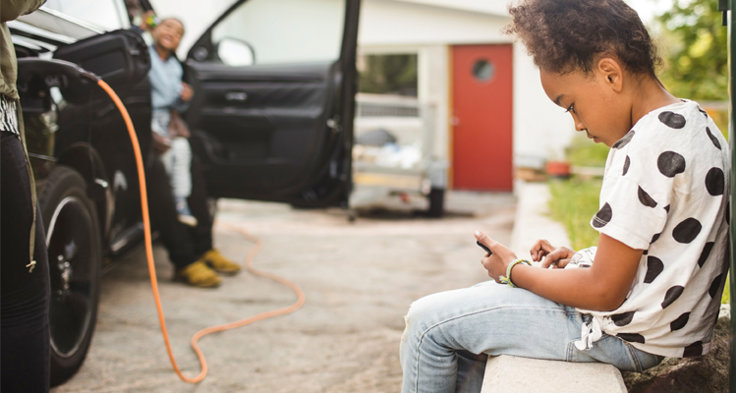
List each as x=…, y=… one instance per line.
x=483, y=246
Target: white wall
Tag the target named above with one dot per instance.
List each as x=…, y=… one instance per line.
x=391, y=22
x=541, y=129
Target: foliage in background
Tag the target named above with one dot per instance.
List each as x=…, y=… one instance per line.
x=573, y=203
x=388, y=74
x=693, y=45
x=581, y=152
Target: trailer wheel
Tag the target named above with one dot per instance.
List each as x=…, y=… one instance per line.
x=436, y=202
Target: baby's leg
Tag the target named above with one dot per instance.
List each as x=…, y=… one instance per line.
x=179, y=168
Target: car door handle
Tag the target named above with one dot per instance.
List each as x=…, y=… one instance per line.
x=238, y=96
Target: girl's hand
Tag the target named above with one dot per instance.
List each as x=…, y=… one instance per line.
x=497, y=262
x=558, y=258
x=540, y=249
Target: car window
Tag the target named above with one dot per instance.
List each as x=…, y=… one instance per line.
x=103, y=14
x=279, y=32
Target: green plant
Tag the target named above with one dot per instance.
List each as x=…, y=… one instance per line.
x=582, y=152
x=573, y=203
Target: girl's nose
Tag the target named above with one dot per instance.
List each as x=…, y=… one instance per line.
x=579, y=126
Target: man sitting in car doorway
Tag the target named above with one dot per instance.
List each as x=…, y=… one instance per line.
x=190, y=247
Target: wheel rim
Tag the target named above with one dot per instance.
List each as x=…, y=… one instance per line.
x=71, y=253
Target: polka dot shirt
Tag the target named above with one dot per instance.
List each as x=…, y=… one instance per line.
x=666, y=190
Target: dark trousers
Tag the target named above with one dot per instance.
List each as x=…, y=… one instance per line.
x=24, y=299
x=183, y=243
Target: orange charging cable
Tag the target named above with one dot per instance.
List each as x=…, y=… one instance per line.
x=152, y=270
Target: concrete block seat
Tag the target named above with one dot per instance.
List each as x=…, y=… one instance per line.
x=511, y=374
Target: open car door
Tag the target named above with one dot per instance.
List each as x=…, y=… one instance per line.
x=272, y=115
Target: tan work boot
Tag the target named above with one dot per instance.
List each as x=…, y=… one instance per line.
x=219, y=263
x=198, y=274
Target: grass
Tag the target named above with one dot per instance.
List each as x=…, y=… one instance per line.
x=582, y=152
x=574, y=201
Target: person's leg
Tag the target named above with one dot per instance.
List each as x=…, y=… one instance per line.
x=24, y=330
x=199, y=205
x=177, y=161
x=164, y=217
x=180, y=168
x=470, y=371
x=176, y=237
x=202, y=233
x=493, y=319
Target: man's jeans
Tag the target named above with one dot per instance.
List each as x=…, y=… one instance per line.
x=449, y=336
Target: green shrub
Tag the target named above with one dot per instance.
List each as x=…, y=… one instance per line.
x=573, y=203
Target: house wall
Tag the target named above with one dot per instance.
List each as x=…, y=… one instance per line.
x=541, y=129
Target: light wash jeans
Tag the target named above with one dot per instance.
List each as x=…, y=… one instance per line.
x=449, y=336
x=178, y=159
x=178, y=162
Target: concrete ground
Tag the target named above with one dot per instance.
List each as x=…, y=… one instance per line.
x=358, y=278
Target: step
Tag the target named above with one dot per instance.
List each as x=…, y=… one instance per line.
x=511, y=374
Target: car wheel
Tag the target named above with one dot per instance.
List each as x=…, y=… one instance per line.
x=436, y=202
x=74, y=252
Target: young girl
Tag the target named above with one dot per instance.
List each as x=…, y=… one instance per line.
x=652, y=286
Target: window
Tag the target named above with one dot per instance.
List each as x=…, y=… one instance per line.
x=102, y=14
x=484, y=70
x=394, y=74
x=286, y=31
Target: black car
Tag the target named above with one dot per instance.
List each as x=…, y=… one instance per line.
x=272, y=120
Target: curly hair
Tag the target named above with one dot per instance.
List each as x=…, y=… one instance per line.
x=566, y=35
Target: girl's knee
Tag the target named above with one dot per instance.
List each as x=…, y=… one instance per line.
x=425, y=312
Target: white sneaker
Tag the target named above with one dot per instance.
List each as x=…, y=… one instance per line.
x=187, y=219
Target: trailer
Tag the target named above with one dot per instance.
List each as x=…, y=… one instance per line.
x=395, y=155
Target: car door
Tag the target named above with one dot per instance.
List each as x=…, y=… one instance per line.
x=272, y=117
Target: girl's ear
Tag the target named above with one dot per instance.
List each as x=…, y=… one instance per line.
x=612, y=72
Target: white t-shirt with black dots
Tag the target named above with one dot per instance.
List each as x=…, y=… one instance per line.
x=666, y=190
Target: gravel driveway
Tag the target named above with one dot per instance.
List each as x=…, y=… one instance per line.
x=358, y=278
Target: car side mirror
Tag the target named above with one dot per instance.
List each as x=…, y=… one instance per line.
x=235, y=52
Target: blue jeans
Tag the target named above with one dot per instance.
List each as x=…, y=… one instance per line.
x=449, y=336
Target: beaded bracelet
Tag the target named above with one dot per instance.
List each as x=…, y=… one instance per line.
x=507, y=278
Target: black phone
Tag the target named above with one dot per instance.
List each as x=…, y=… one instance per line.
x=483, y=246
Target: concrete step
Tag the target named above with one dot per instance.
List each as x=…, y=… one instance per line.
x=511, y=374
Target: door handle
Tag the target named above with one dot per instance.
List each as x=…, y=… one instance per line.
x=237, y=96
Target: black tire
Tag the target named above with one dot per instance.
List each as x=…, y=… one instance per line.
x=436, y=199
x=75, y=257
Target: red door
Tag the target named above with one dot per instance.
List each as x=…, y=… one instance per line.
x=482, y=137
